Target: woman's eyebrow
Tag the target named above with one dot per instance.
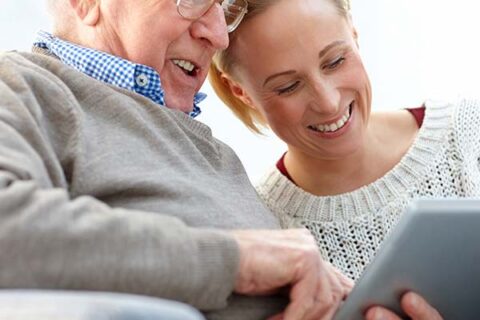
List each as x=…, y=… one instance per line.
x=330, y=46
x=278, y=75
x=320, y=55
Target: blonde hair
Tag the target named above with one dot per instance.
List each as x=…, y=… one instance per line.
x=224, y=62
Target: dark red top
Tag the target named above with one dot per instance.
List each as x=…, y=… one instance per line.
x=418, y=114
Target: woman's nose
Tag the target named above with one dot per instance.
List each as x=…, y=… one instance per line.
x=325, y=98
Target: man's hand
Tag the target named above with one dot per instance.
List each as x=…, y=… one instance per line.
x=412, y=304
x=276, y=259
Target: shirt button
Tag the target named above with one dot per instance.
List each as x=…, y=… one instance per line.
x=142, y=80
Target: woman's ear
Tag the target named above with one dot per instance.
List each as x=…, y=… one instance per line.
x=237, y=90
x=354, y=30
x=355, y=36
x=88, y=11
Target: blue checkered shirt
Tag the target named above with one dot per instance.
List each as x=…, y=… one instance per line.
x=110, y=69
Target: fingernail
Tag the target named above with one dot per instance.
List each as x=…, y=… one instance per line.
x=413, y=300
x=378, y=315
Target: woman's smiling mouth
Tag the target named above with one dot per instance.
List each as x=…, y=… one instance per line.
x=334, y=126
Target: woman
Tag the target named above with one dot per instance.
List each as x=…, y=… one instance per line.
x=348, y=175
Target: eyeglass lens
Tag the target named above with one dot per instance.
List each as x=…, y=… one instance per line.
x=234, y=10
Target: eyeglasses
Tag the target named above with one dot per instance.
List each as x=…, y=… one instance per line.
x=234, y=10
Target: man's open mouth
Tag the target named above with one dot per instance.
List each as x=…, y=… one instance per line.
x=188, y=67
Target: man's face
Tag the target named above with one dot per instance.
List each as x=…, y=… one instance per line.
x=151, y=32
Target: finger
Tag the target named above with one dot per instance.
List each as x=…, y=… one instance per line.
x=302, y=294
x=417, y=308
x=313, y=302
x=346, y=282
x=330, y=294
x=279, y=316
x=379, y=313
x=301, y=300
x=349, y=283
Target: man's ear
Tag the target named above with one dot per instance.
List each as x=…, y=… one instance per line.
x=237, y=90
x=88, y=11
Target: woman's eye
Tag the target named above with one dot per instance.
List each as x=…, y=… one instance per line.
x=288, y=89
x=335, y=64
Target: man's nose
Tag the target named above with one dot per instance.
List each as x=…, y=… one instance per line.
x=212, y=27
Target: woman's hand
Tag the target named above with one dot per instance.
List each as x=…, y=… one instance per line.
x=412, y=304
x=271, y=261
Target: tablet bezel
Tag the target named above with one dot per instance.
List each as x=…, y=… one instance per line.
x=434, y=250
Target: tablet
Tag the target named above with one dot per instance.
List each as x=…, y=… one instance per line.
x=435, y=251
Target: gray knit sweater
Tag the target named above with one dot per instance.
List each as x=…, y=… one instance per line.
x=102, y=189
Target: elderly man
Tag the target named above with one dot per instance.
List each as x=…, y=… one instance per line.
x=104, y=188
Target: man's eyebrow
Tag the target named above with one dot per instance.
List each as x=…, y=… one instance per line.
x=320, y=55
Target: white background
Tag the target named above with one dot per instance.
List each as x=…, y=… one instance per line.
x=413, y=50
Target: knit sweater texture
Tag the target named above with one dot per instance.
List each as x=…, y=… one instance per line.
x=102, y=189
x=443, y=162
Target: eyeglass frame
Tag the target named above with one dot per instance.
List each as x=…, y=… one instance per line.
x=231, y=27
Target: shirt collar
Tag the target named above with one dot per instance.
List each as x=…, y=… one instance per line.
x=110, y=69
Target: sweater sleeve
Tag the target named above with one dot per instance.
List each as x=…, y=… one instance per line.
x=50, y=241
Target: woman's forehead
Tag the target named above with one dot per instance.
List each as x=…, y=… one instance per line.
x=287, y=24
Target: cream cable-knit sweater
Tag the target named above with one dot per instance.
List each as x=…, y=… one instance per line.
x=443, y=162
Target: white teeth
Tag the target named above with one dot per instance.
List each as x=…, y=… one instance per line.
x=333, y=126
x=340, y=123
x=187, y=65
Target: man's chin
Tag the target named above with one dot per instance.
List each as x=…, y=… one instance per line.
x=182, y=103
